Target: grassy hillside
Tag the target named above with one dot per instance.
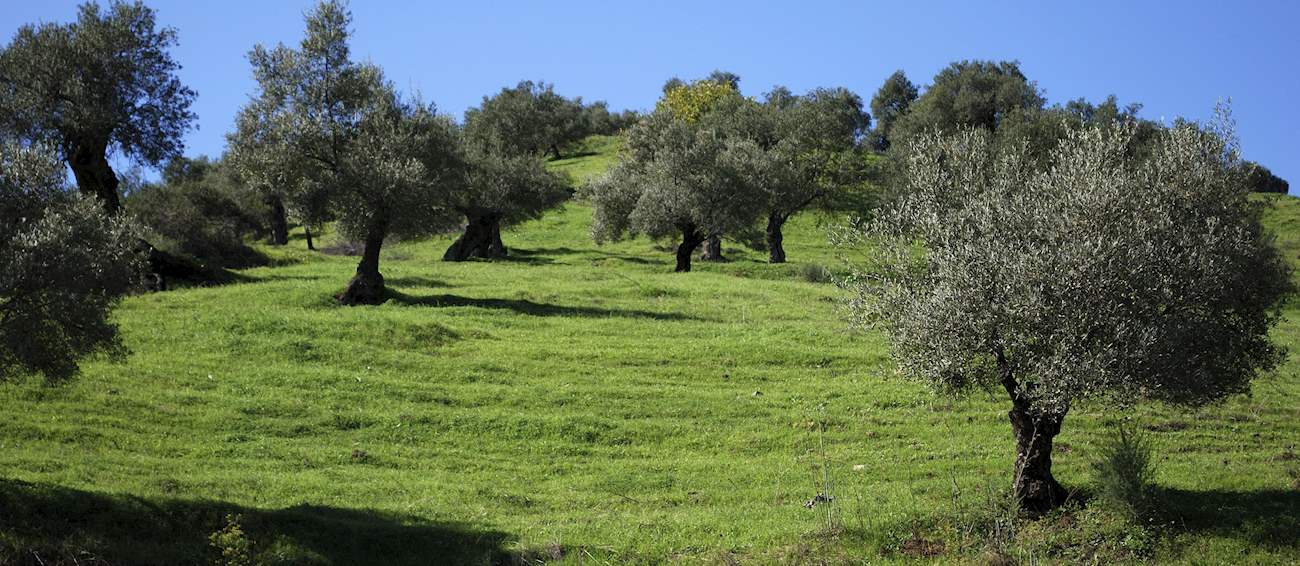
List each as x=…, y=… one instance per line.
x=592, y=157
x=580, y=404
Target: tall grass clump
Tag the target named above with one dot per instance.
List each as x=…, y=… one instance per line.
x=1124, y=472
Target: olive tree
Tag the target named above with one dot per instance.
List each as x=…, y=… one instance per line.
x=325, y=126
x=1261, y=180
x=499, y=190
x=714, y=104
x=104, y=83
x=1102, y=278
x=968, y=94
x=529, y=118
x=798, y=151
x=889, y=104
x=505, y=179
x=64, y=263
x=394, y=181
x=672, y=180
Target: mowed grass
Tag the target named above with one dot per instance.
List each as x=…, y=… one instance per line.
x=578, y=404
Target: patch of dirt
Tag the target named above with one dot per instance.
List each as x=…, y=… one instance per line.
x=917, y=546
x=1171, y=426
x=343, y=248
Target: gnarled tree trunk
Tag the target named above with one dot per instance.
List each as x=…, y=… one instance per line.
x=367, y=286
x=691, y=239
x=279, y=221
x=482, y=238
x=775, y=238
x=713, y=249
x=306, y=228
x=1034, y=486
x=88, y=159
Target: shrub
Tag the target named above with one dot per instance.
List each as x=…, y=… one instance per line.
x=816, y=273
x=204, y=221
x=1124, y=471
x=65, y=263
x=232, y=543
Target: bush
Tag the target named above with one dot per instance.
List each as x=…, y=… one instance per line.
x=1124, y=472
x=816, y=273
x=65, y=264
x=203, y=220
x=232, y=543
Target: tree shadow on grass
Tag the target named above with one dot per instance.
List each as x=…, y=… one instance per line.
x=415, y=281
x=575, y=155
x=540, y=255
x=1266, y=518
x=48, y=524
x=530, y=308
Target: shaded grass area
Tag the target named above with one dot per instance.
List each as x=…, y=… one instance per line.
x=47, y=524
x=580, y=404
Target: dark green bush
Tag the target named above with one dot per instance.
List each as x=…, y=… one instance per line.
x=202, y=217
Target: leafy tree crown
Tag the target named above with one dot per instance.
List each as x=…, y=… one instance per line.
x=1102, y=275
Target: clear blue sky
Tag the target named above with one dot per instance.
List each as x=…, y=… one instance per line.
x=1177, y=58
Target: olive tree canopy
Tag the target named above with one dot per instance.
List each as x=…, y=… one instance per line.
x=889, y=104
x=64, y=263
x=528, y=118
x=673, y=179
x=1104, y=277
x=105, y=82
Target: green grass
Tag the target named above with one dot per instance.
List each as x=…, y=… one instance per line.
x=589, y=159
x=581, y=404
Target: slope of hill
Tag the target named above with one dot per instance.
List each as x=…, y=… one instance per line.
x=579, y=403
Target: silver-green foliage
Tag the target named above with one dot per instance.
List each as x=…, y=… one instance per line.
x=64, y=263
x=107, y=79
x=1100, y=277
x=326, y=129
x=673, y=177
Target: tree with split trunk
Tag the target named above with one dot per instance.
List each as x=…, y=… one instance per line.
x=64, y=264
x=672, y=181
x=103, y=83
x=505, y=182
x=1102, y=279
x=498, y=191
